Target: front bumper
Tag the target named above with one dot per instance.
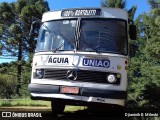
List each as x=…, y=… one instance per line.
x=84, y=91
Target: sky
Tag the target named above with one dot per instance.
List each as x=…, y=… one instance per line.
x=142, y=6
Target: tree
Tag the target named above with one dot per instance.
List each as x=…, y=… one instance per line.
x=15, y=22
x=8, y=82
x=154, y=3
x=119, y=4
x=144, y=74
x=7, y=86
x=114, y=3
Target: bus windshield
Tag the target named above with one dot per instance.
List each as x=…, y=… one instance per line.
x=95, y=35
x=103, y=35
x=57, y=34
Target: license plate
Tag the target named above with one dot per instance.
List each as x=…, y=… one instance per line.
x=72, y=90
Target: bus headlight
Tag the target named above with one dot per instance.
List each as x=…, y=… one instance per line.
x=39, y=73
x=111, y=78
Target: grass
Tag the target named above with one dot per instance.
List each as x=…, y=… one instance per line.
x=28, y=103
x=74, y=108
x=24, y=102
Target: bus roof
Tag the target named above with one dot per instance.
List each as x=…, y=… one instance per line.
x=85, y=13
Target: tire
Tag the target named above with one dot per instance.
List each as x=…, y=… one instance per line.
x=57, y=106
x=106, y=108
x=119, y=108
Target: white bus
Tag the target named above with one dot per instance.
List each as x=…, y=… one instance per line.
x=82, y=58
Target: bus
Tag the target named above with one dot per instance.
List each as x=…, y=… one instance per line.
x=81, y=57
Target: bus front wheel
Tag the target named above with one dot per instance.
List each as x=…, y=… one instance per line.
x=57, y=106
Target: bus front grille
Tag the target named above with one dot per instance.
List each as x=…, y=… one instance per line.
x=82, y=75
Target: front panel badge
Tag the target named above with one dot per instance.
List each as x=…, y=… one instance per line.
x=96, y=62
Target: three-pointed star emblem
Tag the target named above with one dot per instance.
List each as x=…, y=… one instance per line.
x=71, y=75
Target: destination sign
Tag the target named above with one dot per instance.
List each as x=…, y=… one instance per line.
x=81, y=12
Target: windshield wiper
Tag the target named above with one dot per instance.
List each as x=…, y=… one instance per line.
x=91, y=48
x=77, y=34
x=75, y=39
x=55, y=33
x=56, y=49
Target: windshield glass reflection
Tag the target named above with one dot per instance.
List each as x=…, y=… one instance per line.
x=103, y=35
x=57, y=34
x=95, y=35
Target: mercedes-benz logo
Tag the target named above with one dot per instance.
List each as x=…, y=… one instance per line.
x=71, y=75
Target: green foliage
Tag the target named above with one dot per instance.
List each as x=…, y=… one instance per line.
x=8, y=85
x=144, y=84
x=26, y=77
x=154, y=3
x=152, y=100
x=114, y=3
x=131, y=12
x=9, y=70
x=15, y=22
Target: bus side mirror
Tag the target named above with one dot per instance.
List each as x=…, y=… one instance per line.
x=33, y=26
x=132, y=32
